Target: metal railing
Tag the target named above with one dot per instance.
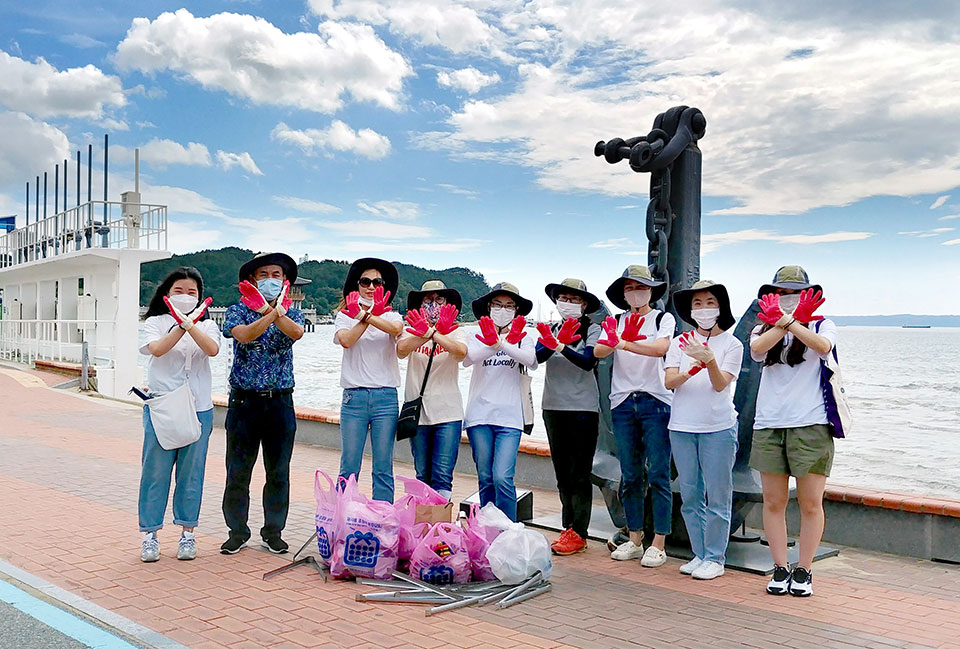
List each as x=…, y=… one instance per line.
x=95, y=224
x=25, y=341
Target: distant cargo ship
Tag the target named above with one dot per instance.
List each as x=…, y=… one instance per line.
x=915, y=326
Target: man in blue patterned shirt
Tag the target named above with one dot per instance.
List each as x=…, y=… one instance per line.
x=260, y=413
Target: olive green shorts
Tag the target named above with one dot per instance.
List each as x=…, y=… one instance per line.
x=793, y=451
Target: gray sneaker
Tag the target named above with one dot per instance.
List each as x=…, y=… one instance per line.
x=150, y=547
x=187, y=548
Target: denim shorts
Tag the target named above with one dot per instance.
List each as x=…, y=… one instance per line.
x=793, y=451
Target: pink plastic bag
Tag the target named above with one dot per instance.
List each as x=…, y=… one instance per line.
x=478, y=539
x=326, y=515
x=417, y=493
x=441, y=556
x=366, y=536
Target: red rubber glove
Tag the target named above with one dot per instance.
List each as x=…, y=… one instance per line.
x=250, y=296
x=183, y=321
x=809, y=302
x=568, y=331
x=418, y=324
x=770, y=311
x=488, y=332
x=353, y=305
x=446, y=323
x=516, y=333
x=631, y=328
x=610, y=329
x=198, y=312
x=696, y=367
x=283, y=302
x=547, y=338
x=380, y=302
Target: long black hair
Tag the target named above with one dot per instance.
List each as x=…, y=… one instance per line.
x=157, y=305
x=775, y=353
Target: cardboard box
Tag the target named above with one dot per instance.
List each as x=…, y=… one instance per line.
x=434, y=513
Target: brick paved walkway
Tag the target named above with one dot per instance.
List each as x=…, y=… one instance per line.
x=69, y=472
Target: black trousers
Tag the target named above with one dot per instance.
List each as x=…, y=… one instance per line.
x=254, y=422
x=573, y=441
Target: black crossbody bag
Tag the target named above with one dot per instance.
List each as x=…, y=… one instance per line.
x=410, y=412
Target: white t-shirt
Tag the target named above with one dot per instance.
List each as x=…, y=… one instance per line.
x=168, y=372
x=442, y=401
x=372, y=361
x=790, y=397
x=697, y=407
x=495, y=398
x=639, y=373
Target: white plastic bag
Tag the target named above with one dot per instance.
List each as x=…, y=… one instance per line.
x=490, y=516
x=518, y=553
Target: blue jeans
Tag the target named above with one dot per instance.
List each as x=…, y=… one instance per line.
x=705, y=474
x=435, y=449
x=495, y=453
x=643, y=448
x=376, y=410
x=156, y=467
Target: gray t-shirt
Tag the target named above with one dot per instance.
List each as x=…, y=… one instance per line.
x=566, y=386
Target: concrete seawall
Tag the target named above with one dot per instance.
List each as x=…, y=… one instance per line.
x=909, y=525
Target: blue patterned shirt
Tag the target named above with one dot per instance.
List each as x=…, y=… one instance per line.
x=267, y=362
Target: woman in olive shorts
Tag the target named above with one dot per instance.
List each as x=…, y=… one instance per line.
x=791, y=436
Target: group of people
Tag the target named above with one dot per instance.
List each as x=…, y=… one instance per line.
x=670, y=398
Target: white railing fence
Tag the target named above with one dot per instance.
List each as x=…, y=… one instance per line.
x=25, y=341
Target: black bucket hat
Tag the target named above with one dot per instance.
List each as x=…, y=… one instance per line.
x=415, y=298
x=788, y=277
x=574, y=287
x=640, y=274
x=391, y=279
x=481, y=306
x=285, y=262
x=683, y=299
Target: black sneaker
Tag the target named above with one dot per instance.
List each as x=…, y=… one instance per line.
x=779, y=583
x=275, y=545
x=233, y=545
x=801, y=583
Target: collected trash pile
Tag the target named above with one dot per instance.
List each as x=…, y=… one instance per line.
x=413, y=550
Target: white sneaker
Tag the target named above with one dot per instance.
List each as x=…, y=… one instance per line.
x=627, y=551
x=690, y=566
x=653, y=558
x=187, y=547
x=149, y=547
x=708, y=570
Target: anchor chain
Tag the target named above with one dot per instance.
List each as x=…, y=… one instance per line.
x=659, y=222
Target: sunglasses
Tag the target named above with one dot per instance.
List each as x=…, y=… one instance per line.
x=366, y=282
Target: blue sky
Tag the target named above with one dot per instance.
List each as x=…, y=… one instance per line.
x=461, y=132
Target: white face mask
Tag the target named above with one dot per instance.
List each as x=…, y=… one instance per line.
x=705, y=318
x=638, y=298
x=788, y=303
x=569, y=310
x=502, y=317
x=184, y=303
x=364, y=301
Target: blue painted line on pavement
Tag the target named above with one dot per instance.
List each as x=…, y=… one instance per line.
x=67, y=624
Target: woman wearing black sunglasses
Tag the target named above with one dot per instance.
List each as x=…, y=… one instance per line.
x=367, y=329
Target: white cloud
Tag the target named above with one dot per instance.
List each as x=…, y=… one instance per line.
x=290, y=233
x=337, y=137
x=949, y=217
x=951, y=242
x=460, y=191
x=306, y=205
x=243, y=160
x=469, y=79
x=9, y=207
x=710, y=242
x=81, y=41
x=177, y=199
x=371, y=229
x=431, y=246
x=925, y=234
x=622, y=242
x=939, y=202
x=41, y=90
x=185, y=236
x=29, y=147
x=251, y=58
x=397, y=210
x=163, y=153
x=112, y=124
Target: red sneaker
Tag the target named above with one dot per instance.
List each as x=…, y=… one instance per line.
x=569, y=543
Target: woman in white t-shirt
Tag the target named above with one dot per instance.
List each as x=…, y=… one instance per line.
x=494, y=418
x=367, y=328
x=432, y=313
x=700, y=366
x=791, y=434
x=640, y=408
x=180, y=338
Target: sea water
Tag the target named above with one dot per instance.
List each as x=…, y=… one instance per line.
x=903, y=387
